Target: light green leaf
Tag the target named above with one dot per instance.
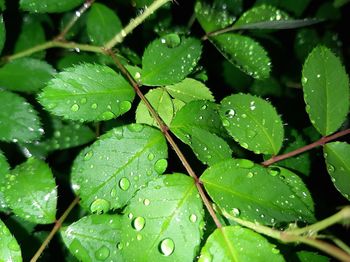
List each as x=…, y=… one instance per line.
x=9, y=248
x=198, y=125
x=49, y=6
x=245, y=53
x=18, y=120
x=165, y=63
x=102, y=24
x=253, y=192
x=337, y=155
x=31, y=192
x=326, y=90
x=88, y=92
x=94, y=238
x=253, y=123
x=189, y=90
x=161, y=102
x=2, y=33
x=238, y=244
x=164, y=221
x=125, y=159
x=27, y=75
x=32, y=34
x=4, y=169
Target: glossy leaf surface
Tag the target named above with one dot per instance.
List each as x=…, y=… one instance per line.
x=4, y=169
x=48, y=6
x=9, y=248
x=2, y=33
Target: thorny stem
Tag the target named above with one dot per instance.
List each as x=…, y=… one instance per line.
x=165, y=129
x=57, y=226
x=303, y=149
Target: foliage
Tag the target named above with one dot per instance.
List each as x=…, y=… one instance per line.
x=186, y=139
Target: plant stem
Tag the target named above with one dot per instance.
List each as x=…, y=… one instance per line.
x=298, y=151
x=57, y=226
x=165, y=129
x=118, y=38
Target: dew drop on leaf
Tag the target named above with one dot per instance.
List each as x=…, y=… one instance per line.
x=83, y=100
x=94, y=106
x=250, y=174
x=330, y=168
x=274, y=171
x=113, y=192
x=171, y=40
x=107, y=115
x=135, y=127
x=167, y=246
x=124, y=183
x=230, y=113
x=160, y=166
x=102, y=253
x=139, y=237
x=146, y=202
x=244, y=145
x=88, y=155
x=236, y=212
x=245, y=163
x=100, y=206
x=225, y=122
x=74, y=107
x=205, y=257
x=138, y=223
x=150, y=156
x=193, y=218
x=120, y=245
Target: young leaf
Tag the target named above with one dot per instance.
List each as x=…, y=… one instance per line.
x=27, y=75
x=253, y=123
x=49, y=6
x=198, y=125
x=326, y=90
x=31, y=192
x=2, y=33
x=102, y=24
x=9, y=248
x=94, y=238
x=234, y=243
x=4, y=169
x=18, y=120
x=169, y=59
x=87, y=92
x=161, y=102
x=164, y=221
x=337, y=155
x=253, y=192
x=245, y=53
x=189, y=90
x=125, y=159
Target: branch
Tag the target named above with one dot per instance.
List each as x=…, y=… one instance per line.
x=303, y=149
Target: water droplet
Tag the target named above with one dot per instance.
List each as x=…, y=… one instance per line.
x=107, y=115
x=244, y=116
x=330, y=168
x=100, y=206
x=146, y=202
x=139, y=237
x=88, y=155
x=160, y=166
x=244, y=145
x=135, y=127
x=304, y=80
x=120, y=245
x=171, y=40
x=236, y=212
x=193, y=218
x=245, y=163
x=225, y=122
x=113, y=192
x=137, y=75
x=124, y=107
x=130, y=215
x=150, y=156
x=74, y=107
x=250, y=174
x=94, y=106
x=275, y=251
x=138, y=223
x=57, y=134
x=205, y=257
x=124, y=183
x=274, y=171
x=83, y=100
x=204, y=107
x=167, y=246
x=230, y=113
x=102, y=253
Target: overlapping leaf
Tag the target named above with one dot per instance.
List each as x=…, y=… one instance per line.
x=109, y=172
x=238, y=244
x=30, y=191
x=2, y=33
x=253, y=123
x=9, y=248
x=48, y=6
x=255, y=193
x=87, y=92
x=326, y=90
x=4, y=169
x=295, y=6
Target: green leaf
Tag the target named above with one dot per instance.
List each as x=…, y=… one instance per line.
x=166, y=64
x=326, y=90
x=125, y=159
x=32, y=34
x=237, y=244
x=87, y=92
x=102, y=24
x=279, y=24
x=266, y=87
x=295, y=6
x=27, y=75
x=71, y=59
x=2, y=5
x=245, y=53
x=253, y=123
x=161, y=102
x=9, y=248
x=31, y=192
x=94, y=238
x=49, y=6
x=307, y=256
x=340, y=3
x=198, y=125
x=189, y=90
x=164, y=221
x=4, y=169
x=250, y=191
x=337, y=155
x=2, y=33
x=18, y=120
x=305, y=40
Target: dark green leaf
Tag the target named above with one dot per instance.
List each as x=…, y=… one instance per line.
x=235, y=78
x=9, y=248
x=72, y=59
x=337, y=155
x=49, y=6
x=125, y=159
x=2, y=33
x=326, y=90
x=166, y=64
x=31, y=192
x=238, y=244
x=94, y=238
x=27, y=75
x=18, y=120
x=2, y=5
x=4, y=169
x=142, y=3
x=305, y=40
x=253, y=123
x=253, y=192
x=266, y=87
x=282, y=24
x=295, y=6
x=164, y=221
x=102, y=24
x=340, y=3
x=88, y=92
x=307, y=256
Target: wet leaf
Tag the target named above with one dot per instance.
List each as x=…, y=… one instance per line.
x=4, y=169
x=307, y=256
x=2, y=33
x=9, y=248
x=49, y=6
